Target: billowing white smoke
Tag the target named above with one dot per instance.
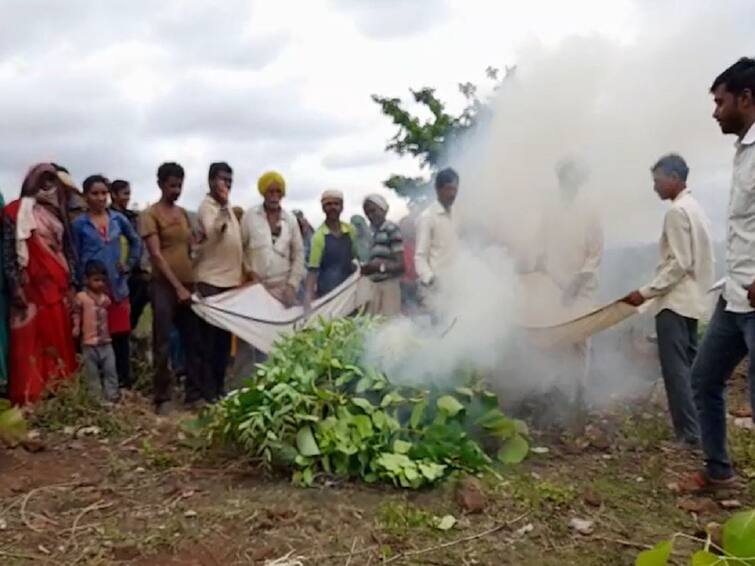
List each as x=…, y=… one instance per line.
x=468, y=332
x=619, y=107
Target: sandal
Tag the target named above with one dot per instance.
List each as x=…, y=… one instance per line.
x=702, y=481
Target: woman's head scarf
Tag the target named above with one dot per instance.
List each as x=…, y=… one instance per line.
x=34, y=177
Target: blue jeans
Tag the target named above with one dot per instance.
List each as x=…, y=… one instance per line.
x=729, y=338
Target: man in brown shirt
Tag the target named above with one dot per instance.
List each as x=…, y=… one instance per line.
x=167, y=234
x=217, y=268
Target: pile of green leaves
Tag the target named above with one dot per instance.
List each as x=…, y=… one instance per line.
x=737, y=546
x=314, y=409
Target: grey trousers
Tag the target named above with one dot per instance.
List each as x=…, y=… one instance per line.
x=677, y=347
x=99, y=368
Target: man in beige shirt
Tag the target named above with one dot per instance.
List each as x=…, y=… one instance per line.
x=437, y=237
x=217, y=268
x=681, y=282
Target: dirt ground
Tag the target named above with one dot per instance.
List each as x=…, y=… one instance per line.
x=121, y=486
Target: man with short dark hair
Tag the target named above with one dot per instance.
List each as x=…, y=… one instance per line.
x=437, y=236
x=167, y=233
x=217, y=268
x=730, y=336
x=681, y=282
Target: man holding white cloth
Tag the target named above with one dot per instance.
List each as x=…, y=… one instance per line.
x=681, y=282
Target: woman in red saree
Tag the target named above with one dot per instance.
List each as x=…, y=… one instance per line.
x=37, y=257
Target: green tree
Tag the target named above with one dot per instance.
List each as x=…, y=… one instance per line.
x=429, y=140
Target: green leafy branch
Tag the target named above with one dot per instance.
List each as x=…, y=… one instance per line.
x=737, y=549
x=315, y=410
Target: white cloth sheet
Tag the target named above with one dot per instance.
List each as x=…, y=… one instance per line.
x=256, y=317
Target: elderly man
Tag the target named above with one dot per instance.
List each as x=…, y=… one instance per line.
x=437, y=237
x=273, y=247
x=217, y=268
x=386, y=259
x=334, y=249
x=682, y=280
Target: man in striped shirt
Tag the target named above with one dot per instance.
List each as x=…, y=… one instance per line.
x=386, y=260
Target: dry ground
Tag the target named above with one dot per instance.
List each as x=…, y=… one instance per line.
x=136, y=490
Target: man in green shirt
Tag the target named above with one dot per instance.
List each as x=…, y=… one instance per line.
x=333, y=251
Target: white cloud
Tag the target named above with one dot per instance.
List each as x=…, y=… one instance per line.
x=119, y=86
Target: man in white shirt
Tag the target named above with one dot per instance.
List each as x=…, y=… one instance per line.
x=571, y=236
x=571, y=240
x=217, y=268
x=681, y=282
x=273, y=246
x=437, y=237
x=730, y=336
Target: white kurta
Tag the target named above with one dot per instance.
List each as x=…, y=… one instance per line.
x=572, y=240
x=437, y=242
x=273, y=261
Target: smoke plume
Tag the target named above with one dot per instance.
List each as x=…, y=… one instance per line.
x=619, y=106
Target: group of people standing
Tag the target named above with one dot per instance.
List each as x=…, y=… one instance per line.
x=57, y=241
x=74, y=277
x=75, y=272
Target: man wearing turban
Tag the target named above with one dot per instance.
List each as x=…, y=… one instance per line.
x=386, y=258
x=273, y=247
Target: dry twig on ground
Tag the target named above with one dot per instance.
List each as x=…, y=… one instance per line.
x=470, y=538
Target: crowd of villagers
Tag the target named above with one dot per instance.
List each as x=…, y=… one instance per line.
x=80, y=268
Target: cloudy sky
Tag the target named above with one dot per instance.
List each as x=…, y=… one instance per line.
x=120, y=86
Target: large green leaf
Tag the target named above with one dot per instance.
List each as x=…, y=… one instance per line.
x=392, y=398
x=363, y=404
x=445, y=523
x=363, y=384
x=465, y=391
x=12, y=426
x=657, y=556
x=401, y=446
x=739, y=537
x=449, y=405
x=431, y=470
x=705, y=558
x=418, y=412
x=514, y=450
x=305, y=442
x=363, y=424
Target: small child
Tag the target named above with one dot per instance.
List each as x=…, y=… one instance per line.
x=90, y=323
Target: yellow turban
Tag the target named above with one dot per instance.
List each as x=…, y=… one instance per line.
x=268, y=179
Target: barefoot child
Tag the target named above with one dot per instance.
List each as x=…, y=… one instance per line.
x=90, y=324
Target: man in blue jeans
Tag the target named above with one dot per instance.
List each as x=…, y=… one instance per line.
x=731, y=332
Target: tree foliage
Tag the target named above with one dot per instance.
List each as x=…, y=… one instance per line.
x=430, y=139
